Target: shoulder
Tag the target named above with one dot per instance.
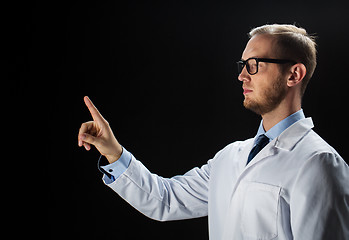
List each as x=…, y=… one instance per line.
x=234, y=147
x=323, y=155
x=325, y=169
x=311, y=147
x=318, y=163
x=231, y=153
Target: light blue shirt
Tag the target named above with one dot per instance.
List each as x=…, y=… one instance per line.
x=281, y=126
x=117, y=168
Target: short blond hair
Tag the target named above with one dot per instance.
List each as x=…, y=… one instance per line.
x=293, y=43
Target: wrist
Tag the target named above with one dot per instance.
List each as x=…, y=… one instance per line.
x=114, y=157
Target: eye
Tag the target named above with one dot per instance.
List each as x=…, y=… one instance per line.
x=252, y=66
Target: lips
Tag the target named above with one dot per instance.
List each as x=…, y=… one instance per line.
x=246, y=91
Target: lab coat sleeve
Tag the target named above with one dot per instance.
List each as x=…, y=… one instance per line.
x=319, y=204
x=163, y=199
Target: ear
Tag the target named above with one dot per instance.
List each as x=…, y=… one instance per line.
x=297, y=73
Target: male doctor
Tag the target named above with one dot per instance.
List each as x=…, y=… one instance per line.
x=285, y=183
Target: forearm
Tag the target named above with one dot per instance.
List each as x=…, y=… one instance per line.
x=164, y=199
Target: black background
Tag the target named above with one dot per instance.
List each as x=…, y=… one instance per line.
x=163, y=74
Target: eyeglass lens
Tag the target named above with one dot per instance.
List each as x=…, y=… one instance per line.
x=251, y=66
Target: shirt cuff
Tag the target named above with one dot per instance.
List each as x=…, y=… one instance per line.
x=114, y=170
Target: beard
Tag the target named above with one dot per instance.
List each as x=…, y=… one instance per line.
x=270, y=98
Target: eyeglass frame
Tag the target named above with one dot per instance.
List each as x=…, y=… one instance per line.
x=268, y=60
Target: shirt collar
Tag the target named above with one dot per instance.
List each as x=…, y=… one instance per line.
x=281, y=126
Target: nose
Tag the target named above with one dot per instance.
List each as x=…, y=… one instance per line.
x=244, y=76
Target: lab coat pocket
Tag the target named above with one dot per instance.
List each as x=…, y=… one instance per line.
x=260, y=211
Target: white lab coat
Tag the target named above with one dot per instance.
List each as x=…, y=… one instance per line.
x=297, y=187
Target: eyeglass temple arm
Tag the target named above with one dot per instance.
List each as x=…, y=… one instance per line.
x=269, y=60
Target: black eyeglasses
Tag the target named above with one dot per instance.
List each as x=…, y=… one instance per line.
x=252, y=64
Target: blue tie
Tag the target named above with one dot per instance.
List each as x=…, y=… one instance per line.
x=262, y=140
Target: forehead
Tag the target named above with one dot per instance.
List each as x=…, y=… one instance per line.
x=259, y=46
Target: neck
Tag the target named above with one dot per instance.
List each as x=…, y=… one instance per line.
x=282, y=111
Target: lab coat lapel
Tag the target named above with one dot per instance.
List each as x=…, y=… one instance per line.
x=243, y=157
x=287, y=140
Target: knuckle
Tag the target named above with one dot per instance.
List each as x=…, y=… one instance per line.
x=85, y=125
x=82, y=128
x=89, y=139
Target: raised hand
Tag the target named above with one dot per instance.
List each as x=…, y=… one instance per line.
x=99, y=134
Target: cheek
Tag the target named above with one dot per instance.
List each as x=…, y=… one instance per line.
x=260, y=86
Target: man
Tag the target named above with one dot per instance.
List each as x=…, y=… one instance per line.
x=285, y=183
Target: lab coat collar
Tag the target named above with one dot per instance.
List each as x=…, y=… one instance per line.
x=281, y=126
x=293, y=134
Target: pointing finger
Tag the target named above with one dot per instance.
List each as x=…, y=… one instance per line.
x=97, y=117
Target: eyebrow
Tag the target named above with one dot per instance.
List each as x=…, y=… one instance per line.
x=251, y=57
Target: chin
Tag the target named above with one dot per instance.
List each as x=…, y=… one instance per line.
x=255, y=107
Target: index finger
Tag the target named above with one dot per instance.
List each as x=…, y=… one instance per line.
x=93, y=110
